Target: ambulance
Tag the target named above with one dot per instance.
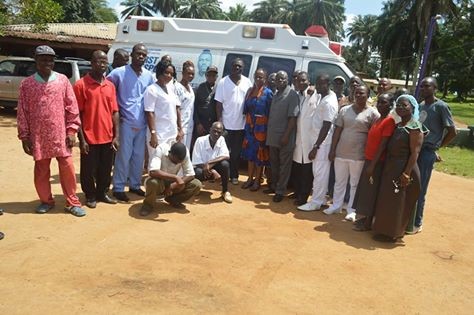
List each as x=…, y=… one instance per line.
x=273, y=47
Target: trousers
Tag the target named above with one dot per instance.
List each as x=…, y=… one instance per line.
x=302, y=177
x=280, y=160
x=156, y=187
x=67, y=178
x=346, y=169
x=222, y=168
x=426, y=160
x=234, y=140
x=96, y=167
x=321, y=167
x=129, y=159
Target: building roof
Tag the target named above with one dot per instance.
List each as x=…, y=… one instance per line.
x=65, y=32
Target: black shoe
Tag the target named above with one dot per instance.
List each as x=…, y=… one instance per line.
x=145, y=210
x=2, y=235
x=293, y=196
x=122, y=196
x=107, y=199
x=91, y=203
x=277, y=198
x=299, y=202
x=268, y=191
x=137, y=191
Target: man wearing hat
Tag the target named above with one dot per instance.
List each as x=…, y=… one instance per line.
x=204, y=105
x=165, y=164
x=48, y=120
x=338, y=84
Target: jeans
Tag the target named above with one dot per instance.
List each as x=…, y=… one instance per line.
x=426, y=160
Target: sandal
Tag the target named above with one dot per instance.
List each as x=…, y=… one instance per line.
x=247, y=184
x=75, y=210
x=255, y=186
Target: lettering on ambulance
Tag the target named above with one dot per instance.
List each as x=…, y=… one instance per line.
x=152, y=59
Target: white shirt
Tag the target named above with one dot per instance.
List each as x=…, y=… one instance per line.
x=186, y=98
x=305, y=135
x=159, y=160
x=326, y=110
x=232, y=98
x=203, y=152
x=164, y=106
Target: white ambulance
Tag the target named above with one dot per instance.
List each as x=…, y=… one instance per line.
x=207, y=42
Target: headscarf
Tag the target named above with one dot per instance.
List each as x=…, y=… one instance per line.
x=414, y=104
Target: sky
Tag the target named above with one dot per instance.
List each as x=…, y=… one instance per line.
x=353, y=7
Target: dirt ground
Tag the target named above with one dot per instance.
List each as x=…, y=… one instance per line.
x=251, y=257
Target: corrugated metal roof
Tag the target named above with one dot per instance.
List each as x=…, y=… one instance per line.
x=90, y=30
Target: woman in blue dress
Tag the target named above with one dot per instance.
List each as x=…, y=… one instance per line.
x=256, y=110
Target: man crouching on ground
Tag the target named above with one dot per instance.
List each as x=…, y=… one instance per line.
x=165, y=164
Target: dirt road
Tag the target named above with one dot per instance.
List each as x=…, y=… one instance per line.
x=251, y=257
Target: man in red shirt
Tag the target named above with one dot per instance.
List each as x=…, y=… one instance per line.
x=98, y=135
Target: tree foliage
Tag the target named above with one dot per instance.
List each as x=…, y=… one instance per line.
x=238, y=13
x=137, y=7
x=198, y=9
x=36, y=12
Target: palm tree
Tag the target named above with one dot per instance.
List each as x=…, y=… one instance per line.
x=361, y=32
x=137, y=7
x=269, y=11
x=198, y=9
x=166, y=7
x=328, y=13
x=238, y=13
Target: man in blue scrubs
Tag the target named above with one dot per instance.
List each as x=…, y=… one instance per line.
x=130, y=82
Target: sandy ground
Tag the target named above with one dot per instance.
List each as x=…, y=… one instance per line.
x=251, y=257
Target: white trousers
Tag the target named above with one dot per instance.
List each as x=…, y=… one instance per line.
x=346, y=169
x=188, y=136
x=321, y=168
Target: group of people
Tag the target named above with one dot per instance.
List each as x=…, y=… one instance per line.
x=374, y=161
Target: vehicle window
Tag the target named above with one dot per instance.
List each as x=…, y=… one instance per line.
x=228, y=63
x=7, y=68
x=316, y=68
x=83, y=69
x=25, y=68
x=64, y=68
x=272, y=64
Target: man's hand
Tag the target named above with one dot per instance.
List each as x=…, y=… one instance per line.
x=438, y=158
x=312, y=153
x=168, y=191
x=27, y=147
x=154, y=140
x=332, y=155
x=207, y=171
x=84, y=146
x=115, y=144
x=284, y=140
x=200, y=130
x=370, y=170
x=70, y=140
x=180, y=135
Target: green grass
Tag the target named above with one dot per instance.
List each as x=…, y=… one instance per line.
x=462, y=112
x=456, y=161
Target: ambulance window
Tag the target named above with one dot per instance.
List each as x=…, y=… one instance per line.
x=272, y=64
x=316, y=68
x=228, y=63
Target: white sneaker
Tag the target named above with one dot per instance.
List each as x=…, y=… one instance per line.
x=350, y=217
x=227, y=197
x=309, y=206
x=332, y=210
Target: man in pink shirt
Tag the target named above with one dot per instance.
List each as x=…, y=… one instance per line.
x=48, y=120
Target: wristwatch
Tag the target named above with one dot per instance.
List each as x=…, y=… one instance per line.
x=316, y=146
x=153, y=131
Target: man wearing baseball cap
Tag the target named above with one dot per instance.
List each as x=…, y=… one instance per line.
x=48, y=120
x=204, y=106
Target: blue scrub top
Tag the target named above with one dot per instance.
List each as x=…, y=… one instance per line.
x=130, y=90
